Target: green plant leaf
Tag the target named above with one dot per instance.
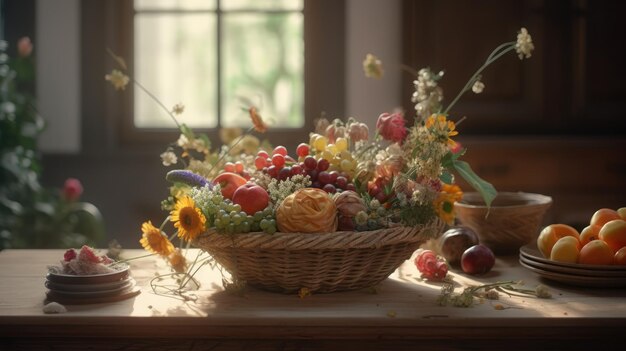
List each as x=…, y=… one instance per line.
x=486, y=190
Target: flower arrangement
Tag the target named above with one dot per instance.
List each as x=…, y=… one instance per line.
x=342, y=180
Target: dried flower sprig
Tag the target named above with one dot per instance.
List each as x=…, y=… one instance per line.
x=488, y=291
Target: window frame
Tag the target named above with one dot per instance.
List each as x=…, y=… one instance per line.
x=323, y=19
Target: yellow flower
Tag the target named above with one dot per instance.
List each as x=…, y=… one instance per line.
x=373, y=67
x=444, y=203
x=441, y=128
x=257, y=121
x=153, y=240
x=118, y=79
x=177, y=261
x=188, y=219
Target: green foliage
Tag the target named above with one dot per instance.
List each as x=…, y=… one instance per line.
x=31, y=215
x=486, y=190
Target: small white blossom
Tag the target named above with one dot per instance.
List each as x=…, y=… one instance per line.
x=169, y=158
x=524, y=45
x=182, y=141
x=478, y=87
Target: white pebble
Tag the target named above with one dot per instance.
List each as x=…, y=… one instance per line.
x=54, y=307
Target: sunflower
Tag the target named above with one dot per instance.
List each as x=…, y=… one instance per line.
x=188, y=219
x=444, y=204
x=153, y=240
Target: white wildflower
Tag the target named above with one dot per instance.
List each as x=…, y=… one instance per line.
x=169, y=158
x=373, y=67
x=374, y=204
x=118, y=79
x=478, y=87
x=524, y=45
x=183, y=141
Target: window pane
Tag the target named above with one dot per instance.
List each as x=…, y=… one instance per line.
x=263, y=58
x=261, y=4
x=174, y=5
x=175, y=59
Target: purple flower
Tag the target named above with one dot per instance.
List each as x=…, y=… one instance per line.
x=187, y=177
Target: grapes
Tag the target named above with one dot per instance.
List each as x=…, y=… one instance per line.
x=296, y=169
x=229, y=167
x=302, y=150
x=324, y=177
x=341, y=182
x=430, y=265
x=310, y=163
x=333, y=177
x=239, y=167
x=259, y=163
x=263, y=154
x=329, y=188
x=284, y=173
x=323, y=164
x=278, y=160
x=272, y=171
x=280, y=150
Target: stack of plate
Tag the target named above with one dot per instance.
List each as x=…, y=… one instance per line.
x=87, y=289
x=587, y=275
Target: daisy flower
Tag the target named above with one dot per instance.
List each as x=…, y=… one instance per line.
x=188, y=219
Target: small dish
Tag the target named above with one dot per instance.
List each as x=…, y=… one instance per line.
x=52, y=296
x=94, y=294
x=120, y=274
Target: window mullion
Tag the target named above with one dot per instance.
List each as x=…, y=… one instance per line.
x=218, y=21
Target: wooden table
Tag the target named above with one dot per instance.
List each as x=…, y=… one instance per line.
x=403, y=314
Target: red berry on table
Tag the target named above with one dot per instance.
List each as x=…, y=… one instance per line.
x=263, y=154
x=278, y=160
x=280, y=150
x=302, y=150
x=430, y=265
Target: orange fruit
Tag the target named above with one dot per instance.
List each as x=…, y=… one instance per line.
x=596, y=252
x=614, y=233
x=551, y=234
x=589, y=233
x=620, y=256
x=604, y=215
x=566, y=249
x=622, y=212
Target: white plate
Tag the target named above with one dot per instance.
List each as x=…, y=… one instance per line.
x=577, y=280
x=88, y=287
x=69, y=300
x=531, y=252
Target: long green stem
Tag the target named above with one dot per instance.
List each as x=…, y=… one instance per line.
x=492, y=58
x=145, y=90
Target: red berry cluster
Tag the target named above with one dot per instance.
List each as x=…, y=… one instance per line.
x=281, y=166
x=430, y=265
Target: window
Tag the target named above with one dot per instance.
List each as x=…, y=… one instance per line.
x=218, y=57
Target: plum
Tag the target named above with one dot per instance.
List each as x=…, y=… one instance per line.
x=478, y=259
x=455, y=241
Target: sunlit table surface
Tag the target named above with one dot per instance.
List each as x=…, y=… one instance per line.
x=400, y=313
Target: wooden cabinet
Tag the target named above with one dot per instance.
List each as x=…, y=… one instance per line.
x=555, y=123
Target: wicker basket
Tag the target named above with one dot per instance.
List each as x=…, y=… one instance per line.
x=513, y=220
x=321, y=262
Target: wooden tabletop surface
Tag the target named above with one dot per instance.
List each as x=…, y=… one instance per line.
x=402, y=307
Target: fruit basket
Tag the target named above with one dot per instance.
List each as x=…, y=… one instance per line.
x=320, y=262
x=342, y=212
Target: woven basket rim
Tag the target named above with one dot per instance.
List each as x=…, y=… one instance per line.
x=340, y=240
x=534, y=200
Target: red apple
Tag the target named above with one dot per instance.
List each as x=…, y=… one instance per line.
x=229, y=182
x=251, y=197
x=478, y=259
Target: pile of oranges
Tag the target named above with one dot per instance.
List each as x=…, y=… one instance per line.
x=602, y=242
